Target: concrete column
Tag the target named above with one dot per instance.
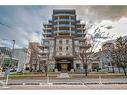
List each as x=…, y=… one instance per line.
x=70, y=24
x=56, y=70
x=72, y=67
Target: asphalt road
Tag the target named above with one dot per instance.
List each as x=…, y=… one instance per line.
x=43, y=86
x=77, y=80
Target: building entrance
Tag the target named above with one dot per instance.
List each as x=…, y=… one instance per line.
x=64, y=67
x=64, y=64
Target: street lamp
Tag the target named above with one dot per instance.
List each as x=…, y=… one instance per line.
x=12, y=50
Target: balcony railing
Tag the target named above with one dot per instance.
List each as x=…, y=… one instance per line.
x=45, y=33
x=64, y=31
x=63, y=19
x=62, y=14
x=64, y=25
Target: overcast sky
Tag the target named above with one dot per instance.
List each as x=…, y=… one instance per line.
x=24, y=23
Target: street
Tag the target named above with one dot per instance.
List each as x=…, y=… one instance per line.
x=68, y=80
x=65, y=83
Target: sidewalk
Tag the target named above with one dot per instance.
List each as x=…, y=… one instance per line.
x=65, y=87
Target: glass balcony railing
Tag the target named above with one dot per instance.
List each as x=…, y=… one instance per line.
x=63, y=19
x=62, y=14
x=47, y=33
x=64, y=25
x=64, y=31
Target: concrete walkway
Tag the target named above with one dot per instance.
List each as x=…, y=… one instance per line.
x=63, y=87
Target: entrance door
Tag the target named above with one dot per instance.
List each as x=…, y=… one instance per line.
x=64, y=67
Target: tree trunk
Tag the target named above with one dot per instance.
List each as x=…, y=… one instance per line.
x=46, y=71
x=108, y=69
x=124, y=71
x=113, y=69
x=123, y=67
x=86, y=70
x=118, y=67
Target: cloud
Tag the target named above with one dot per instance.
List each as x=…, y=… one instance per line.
x=21, y=24
x=24, y=23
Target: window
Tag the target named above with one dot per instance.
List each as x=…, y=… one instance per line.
x=60, y=48
x=77, y=65
x=51, y=42
x=60, y=41
x=76, y=43
x=46, y=42
x=67, y=48
x=60, y=53
x=67, y=41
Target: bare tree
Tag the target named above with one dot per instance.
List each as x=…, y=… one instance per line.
x=34, y=56
x=121, y=53
x=88, y=46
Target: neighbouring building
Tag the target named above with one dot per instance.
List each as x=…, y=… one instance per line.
x=62, y=38
x=5, y=51
x=108, y=45
x=23, y=56
x=96, y=64
x=6, y=58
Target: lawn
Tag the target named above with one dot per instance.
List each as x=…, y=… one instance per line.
x=37, y=75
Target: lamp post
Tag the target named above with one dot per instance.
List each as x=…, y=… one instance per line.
x=12, y=50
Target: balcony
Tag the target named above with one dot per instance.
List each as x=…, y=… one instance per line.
x=47, y=33
x=80, y=28
x=47, y=25
x=64, y=31
x=64, y=25
x=64, y=20
x=80, y=33
x=62, y=14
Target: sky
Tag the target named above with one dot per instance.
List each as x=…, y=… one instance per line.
x=24, y=23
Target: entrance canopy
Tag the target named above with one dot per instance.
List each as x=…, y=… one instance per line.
x=63, y=61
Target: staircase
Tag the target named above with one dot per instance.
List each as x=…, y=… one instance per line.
x=63, y=75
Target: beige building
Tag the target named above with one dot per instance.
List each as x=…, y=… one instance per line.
x=62, y=41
